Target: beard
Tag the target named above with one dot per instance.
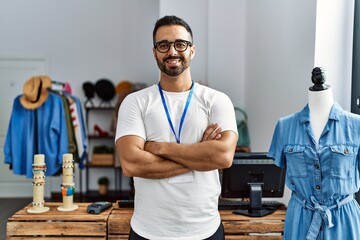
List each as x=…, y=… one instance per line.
x=172, y=71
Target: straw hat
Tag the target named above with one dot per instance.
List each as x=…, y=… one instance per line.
x=35, y=92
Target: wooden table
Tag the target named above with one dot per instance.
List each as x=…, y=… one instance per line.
x=236, y=226
x=51, y=225
x=114, y=224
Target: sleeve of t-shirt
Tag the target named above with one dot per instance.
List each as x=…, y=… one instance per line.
x=276, y=148
x=130, y=120
x=223, y=113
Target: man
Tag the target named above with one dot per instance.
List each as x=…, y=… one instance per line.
x=169, y=139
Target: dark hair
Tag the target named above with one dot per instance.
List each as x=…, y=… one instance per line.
x=171, y=20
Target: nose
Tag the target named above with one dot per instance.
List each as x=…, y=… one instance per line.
x=172, y=49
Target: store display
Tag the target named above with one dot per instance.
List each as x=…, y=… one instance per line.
x=39, y=168
x=68, y=185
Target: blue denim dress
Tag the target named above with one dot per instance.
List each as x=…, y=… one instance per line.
x=323, y=176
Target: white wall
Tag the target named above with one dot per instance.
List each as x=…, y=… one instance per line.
x=227, y=48
x=279, y=60
x=84, y=39
x=333, y=44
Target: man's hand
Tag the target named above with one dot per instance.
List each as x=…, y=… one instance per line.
x=212, y=132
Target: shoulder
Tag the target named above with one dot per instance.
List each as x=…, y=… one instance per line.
x=350, y=117
x=151, y=90
x=345, y=117
x=292, y=120
x=210, y=94
x=140, y=98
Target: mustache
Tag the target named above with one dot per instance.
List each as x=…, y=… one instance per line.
x=173, y=57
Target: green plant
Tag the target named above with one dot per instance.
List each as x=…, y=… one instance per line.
x=104, y=181
x=103, y=149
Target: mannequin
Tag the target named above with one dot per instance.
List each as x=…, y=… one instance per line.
x=320, y=101
x=323, y=177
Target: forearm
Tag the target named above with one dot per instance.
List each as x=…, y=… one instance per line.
x=203, y=156
x=136, y=162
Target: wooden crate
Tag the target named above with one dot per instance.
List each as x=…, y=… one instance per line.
x=119, y=223
x=54, y=224
x=103, y=159
x=269, y=227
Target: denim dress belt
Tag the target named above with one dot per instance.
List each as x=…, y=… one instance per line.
x=321, y=213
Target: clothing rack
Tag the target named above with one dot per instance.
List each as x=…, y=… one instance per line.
x=58, y=83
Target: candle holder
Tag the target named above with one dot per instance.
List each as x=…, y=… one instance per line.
x=39, y=168
x=68, y=185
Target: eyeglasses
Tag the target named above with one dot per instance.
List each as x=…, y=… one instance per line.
x=179, y=45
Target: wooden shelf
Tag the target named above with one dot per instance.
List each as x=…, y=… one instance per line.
x=93, y=196
x=101, y=166
x=112, y=196
x=101, y=137
x=99, y=108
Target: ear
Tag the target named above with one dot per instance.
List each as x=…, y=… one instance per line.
x=192, y=51
x=154, y=53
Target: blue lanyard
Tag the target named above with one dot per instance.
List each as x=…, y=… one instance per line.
x=183, y=114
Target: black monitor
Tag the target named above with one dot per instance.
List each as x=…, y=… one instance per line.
x=253, y=176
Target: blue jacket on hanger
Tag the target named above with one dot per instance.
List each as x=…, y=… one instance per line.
x=52, y=140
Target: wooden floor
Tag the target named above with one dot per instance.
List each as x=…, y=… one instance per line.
x=8, y=206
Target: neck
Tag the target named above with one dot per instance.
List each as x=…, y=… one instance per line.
x=181, y=83
x=320, y=100
x=320, y=103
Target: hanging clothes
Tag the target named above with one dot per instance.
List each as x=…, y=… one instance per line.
x=52, y=139
x=70, y=129
x=76, y=125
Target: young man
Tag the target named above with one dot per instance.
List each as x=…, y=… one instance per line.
x=169, y=139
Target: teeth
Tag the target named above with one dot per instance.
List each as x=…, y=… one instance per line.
x=172, y=61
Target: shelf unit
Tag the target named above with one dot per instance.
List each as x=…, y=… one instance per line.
x=94, y=114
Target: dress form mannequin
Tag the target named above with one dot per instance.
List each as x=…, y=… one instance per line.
x=320, y=101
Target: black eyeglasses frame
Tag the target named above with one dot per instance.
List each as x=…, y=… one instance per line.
x=188, y=43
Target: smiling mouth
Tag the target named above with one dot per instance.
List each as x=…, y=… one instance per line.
x=172, y=61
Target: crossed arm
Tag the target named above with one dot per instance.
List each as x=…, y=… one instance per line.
x=158, y=160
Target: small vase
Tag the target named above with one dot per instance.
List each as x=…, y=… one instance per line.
x=103, y=189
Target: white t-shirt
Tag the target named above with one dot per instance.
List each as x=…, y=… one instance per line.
x=176, y=208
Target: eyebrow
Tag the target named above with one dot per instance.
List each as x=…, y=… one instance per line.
x=162, y=41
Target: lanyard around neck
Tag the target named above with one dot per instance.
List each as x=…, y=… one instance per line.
x=183, y=114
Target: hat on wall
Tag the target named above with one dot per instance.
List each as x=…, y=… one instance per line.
x=89, y=89
x=35, y=92
x=105, y=89
x=123, y=86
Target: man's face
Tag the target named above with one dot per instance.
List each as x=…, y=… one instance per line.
x=173, y=62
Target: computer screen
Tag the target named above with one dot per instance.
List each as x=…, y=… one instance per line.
x=253, y=176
